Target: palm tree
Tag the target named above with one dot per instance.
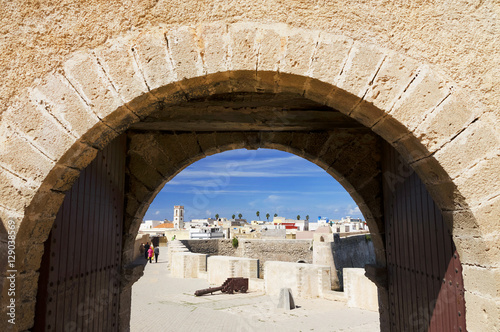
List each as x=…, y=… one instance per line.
x=298, y=217
x=240, y=215
x=233, y=216
x=217, y=216
x=307, y=217
x=258, y=214
x=275, y=214
x=267, y=216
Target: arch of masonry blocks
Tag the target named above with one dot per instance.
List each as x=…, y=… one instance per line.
x=56, y=129
x=351, y=156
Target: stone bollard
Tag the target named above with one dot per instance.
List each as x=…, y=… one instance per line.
x=286, y=299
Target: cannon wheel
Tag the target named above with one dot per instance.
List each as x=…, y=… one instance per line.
x=243, y=289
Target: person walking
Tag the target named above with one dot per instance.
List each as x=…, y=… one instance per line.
x=150, y=253
x=157, y=253
x=146, y=248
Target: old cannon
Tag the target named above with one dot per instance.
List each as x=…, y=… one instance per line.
x=229, y=286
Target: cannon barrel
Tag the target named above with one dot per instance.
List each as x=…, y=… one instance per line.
x=229, y=286
x=208, y=290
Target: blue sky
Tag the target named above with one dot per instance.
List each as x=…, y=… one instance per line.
x=243, y=181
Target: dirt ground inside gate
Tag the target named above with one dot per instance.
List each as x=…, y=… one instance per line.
x=163, y=303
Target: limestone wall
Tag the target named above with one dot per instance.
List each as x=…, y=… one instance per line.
x=262, y=249
x=187, y=264
x=219, y=247
x=353, y=251
x=305, y=280
x=220, y=268
x=359, y=290
x=430, y=69
x=425, y=30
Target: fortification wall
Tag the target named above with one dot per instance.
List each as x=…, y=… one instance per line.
x=352, y=251
x=349, y=252
x=263, y=250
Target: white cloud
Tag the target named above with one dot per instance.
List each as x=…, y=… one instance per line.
x=157, y=212
x=354, y=211
x=271, y=173
x=250, y=163
x=195, y=186
x=274, y=198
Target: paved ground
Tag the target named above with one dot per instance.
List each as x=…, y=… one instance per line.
x=163, y=303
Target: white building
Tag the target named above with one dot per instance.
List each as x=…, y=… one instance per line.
x=148, y=224
x=196, y=223
x=348, y=224
x=302, y=225
x=178, y=216
x=206, y=233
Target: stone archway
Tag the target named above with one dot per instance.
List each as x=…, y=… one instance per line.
x=62, y=123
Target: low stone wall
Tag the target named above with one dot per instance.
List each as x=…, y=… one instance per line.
x=174, y=247
x=220, y=268
x=187, y=264
x=217, y=247
x=305, y=280
x=352, y=251
x=262, y=249
x=360, y=291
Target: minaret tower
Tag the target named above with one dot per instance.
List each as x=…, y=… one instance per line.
x=178, y=216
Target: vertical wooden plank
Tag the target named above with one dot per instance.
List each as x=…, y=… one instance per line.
x=410, y=264
x=440, y=309
x=94, y=227
x=91, y=317
x=81, y=245
x=103, y=291
x=389, y=248
x=430, y=257
x=402, y=259
x=420, y=254
x=396, y=250
x=67, y=251
x=82, y=256
x=390, y=212
x=101, y=244
x=88, y=247
x=423, y=258
x=405, y=257
x=436, y=278
x=110, y=203
x=57, y=277
x=116, y=223
x=119, y=222
x=415, y=248
x=77, y=245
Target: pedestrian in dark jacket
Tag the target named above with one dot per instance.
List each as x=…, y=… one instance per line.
x=157, y=253
x=146, y=248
